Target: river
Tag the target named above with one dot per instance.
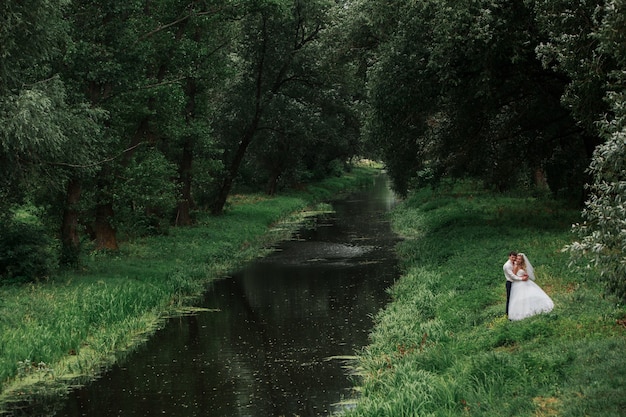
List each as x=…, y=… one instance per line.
x=277, y=336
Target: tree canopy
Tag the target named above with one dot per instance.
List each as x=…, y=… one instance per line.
x=123, y=118
x=524, y=94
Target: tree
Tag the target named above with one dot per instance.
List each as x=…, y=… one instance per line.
x=202, y=62
x=312, y=127
x=102, y=65
x=602, y=234
x=152, y=67
x=45, y=134
x=274, y=52
x=456, y=86
x=36, y=120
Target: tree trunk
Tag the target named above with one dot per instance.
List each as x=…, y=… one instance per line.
x=540, y=179
x=183, y=215
x=104, y=232
x=229, y=178
x=70, y=239
x=272, y=184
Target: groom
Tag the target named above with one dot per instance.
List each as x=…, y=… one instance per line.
x=510, y=277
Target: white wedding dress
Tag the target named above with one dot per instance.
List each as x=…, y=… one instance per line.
x=528, y=299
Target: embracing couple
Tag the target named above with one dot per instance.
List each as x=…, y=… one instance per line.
x=524, y=298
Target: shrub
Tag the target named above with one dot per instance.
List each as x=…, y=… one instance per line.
x=147, y=198
x=25, y=253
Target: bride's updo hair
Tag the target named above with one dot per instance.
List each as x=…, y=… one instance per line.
x=523, y=262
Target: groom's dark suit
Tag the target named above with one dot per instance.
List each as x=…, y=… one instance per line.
x=510, y=277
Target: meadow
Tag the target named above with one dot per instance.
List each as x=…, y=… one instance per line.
x=444, y=346
x=67, y=329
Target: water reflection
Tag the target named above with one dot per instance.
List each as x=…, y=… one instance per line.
x=274, y=342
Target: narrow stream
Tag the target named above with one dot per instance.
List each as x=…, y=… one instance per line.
x=279, y=332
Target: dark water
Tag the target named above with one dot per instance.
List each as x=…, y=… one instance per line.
x=277, y=340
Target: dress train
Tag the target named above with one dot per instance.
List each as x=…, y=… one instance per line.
x=528, y=299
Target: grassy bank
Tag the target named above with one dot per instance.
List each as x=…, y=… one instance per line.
x=444, y=347
x=66, y=330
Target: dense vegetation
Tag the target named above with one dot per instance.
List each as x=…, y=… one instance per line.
x=122, y=118
x=63, y=332
x=444, y=347
x=513, y=93
x=125, y=119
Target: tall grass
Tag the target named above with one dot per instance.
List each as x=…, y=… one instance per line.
x=443, y=346
x=56, y=333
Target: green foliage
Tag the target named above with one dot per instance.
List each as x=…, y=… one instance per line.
x=25, y=253
x=41, y=129
x=516, y=95
x=443, y=346
x=157, y=73
x=570, y=48
x=76, y=322
x=180, y=79
x=287, y=115
x=147, y=196
x=455, y=90
x=602, y=235
x=31, y=35
x=40, y=135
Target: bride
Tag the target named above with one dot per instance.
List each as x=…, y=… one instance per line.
x=527, y=298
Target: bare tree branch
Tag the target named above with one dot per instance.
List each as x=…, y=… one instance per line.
x=189, y=15
x=101, y=162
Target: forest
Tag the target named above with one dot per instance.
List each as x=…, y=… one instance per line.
x=135, y=135
x=125, y=118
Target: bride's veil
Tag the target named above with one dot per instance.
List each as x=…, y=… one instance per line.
x=529, y=268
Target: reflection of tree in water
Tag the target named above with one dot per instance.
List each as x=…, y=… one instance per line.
x=250, y=345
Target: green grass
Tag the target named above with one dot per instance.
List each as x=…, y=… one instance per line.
x=443, y=346
x=66, y=330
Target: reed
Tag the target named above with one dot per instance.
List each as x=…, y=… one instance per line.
x=443, y=346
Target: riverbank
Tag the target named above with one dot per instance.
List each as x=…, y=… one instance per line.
x=444, y=347
x=65, y=331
